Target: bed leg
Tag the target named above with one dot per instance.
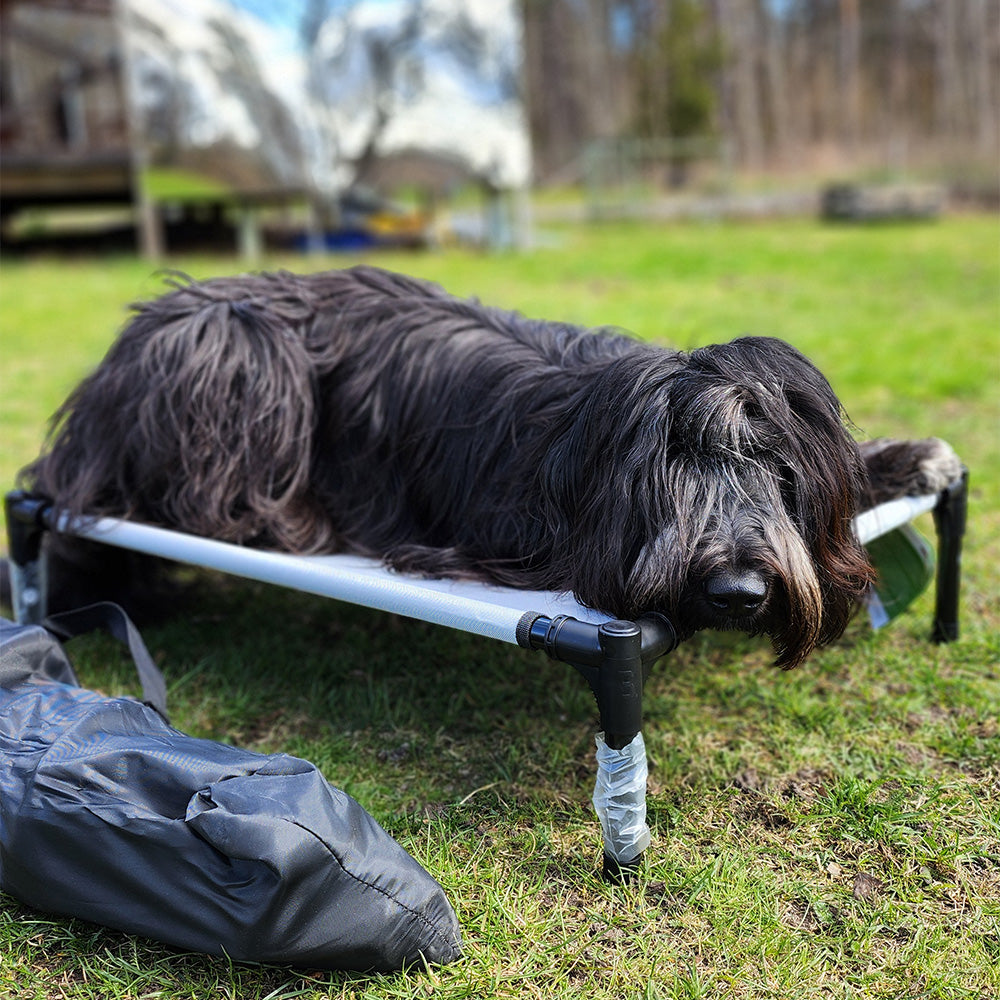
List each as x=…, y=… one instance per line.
x=620, y=787
x=28, y=577
x=615, y=659
x=949, y=521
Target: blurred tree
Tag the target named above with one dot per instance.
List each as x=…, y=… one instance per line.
x=675, y=69
x=894, y=84
x=849, y=58
x=738, y=23
x=575, y=79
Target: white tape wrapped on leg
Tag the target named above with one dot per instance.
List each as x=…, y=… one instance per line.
x=620, y=798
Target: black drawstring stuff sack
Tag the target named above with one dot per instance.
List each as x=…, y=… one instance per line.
x=109, y=814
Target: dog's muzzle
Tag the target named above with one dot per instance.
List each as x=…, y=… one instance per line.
x=736, y=595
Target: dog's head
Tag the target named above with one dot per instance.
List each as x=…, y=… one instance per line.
x=740, y=486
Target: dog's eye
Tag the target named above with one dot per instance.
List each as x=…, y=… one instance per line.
x=789, y=493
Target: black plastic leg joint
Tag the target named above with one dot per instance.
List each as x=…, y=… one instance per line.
x=615, y=659
x=562, y=638
x=620, y=683
x=26, y=525
x=26, y=528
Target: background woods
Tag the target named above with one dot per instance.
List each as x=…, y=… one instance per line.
x=892, y=84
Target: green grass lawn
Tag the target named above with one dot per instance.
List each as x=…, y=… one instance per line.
x=830, y=832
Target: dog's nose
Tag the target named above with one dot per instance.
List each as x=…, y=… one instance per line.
x=736, y=594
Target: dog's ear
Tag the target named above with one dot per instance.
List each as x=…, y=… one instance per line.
x=605, y=483
x=822, y=478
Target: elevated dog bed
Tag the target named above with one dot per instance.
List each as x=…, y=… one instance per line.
x=614, y=656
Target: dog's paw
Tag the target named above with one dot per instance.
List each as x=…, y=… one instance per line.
x=908, y=468
x=938, y=466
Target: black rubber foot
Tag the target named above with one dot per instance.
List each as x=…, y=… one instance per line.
x=945, y=632
x=621, y=872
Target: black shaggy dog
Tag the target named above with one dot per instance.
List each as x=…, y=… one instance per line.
x=369, y=412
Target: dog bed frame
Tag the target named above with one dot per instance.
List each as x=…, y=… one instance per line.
x=615, y=657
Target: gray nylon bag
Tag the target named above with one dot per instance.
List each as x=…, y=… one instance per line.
x=109, y=814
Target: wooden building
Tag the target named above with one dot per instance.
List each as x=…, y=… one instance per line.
x=65, y=137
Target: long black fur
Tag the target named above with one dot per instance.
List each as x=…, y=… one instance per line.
x=366, y=411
